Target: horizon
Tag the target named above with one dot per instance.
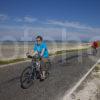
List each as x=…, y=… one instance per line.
x=67, y=41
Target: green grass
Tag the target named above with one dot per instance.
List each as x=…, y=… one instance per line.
x=2, y=62
x=74, y=50
x=97, y=68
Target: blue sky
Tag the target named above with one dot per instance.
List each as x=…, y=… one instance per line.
x=80, y=18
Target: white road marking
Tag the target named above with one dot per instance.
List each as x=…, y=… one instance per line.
x=20, y=62
x=68, y=93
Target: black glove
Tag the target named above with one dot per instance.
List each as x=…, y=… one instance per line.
x=27, y=53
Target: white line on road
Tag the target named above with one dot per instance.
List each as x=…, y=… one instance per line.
x=68, y=94
x=20, y=62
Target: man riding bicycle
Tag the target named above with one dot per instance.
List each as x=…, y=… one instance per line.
x=40, y=48
x=95, y=46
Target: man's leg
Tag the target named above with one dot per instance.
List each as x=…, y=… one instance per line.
x=44, y=67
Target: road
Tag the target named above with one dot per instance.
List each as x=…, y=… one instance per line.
x=64, y=74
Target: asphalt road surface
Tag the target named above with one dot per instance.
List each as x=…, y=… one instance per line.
x=64, y=74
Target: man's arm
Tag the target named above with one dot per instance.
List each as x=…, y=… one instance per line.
x=44, y=46
x=34, y=52
x=42, y=52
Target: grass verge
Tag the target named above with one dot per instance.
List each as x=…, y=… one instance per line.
x=3, y=62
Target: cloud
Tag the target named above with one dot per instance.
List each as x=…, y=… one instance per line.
x=18, y=20
x=27, y=32
x=26, y=19
x=95, y=30
x=52, y=33
x=3, y=17
x=76, y=25
x=29, y=19
x=50, y=28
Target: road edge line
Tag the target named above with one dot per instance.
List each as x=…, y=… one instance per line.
x=2, y=66
x=68, y=93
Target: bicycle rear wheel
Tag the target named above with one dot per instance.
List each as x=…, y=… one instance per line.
x=27, y=78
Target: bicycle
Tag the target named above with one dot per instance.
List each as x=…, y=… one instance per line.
x=94, y=51
x=32, y=72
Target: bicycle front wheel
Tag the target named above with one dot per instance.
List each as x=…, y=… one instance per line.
x=26, y=78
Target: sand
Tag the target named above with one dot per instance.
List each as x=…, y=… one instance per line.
x=91, y=88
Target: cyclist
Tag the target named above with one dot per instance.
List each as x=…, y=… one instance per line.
x=40, y=47
x=95, y=45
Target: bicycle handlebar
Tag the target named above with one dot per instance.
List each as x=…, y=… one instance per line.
x=34, y=57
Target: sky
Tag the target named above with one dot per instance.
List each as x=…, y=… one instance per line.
x=53, y=19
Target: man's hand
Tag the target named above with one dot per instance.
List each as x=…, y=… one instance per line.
x=27, y=54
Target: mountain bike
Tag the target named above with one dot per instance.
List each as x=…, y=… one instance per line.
x=32, y=72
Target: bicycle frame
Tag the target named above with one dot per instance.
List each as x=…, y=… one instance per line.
x=35, y=64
